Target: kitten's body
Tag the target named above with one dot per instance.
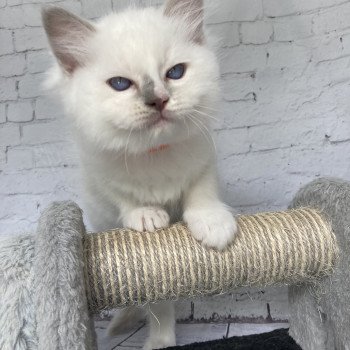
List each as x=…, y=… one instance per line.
x=154, y=178
x=146, y=156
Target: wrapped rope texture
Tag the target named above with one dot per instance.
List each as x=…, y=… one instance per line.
x=124, y=267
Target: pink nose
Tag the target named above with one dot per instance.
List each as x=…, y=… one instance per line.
x=158, y=103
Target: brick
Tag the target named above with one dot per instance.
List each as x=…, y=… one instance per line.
x=315, y=162
x=183, y=310
x=32, y=12
x=14, y=2
x=186, y=333
x=11, y=17
x=237, y=10
x=265, y=165
x=2, y=158
x=19, y=159
x=237, y=114
x=339, y=131
x=61, y=154
x=6, y=41
x=243, y=303
x=13, y=210
x=282, y=172
x=77, y=6
x=11, y=65
x=30, y=39
x=345, y=41
x=44, y=133
x=152, y=2
x=226, y=33
x=287, y=55
x=36, y=1
x=256, y=32
x=8, y=89
x=38, y=181
x=283, y=134
x=330, y=48
x=119, y=5
x=2, y=113
x=21, y=111
x=292, y=28
x=9, y=135
x=92, y=10
x=32, y=15
x=290, y=7
x=38, y=61
x=235, y=138
x=48, y=108
x=243, y=59
x=330, y=72
x=20, y=212
x=238, y=86
x=328, y=106
x=31, y=85
x=332, y=19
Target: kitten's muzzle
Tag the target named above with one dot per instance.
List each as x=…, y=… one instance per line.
x=158, y=103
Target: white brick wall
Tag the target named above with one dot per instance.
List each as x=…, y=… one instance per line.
x=285, y=114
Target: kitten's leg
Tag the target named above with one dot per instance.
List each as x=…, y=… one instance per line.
x=161, y=315
x=125, y=319
x=104, y=216
x=209, y=219
x=161, y=326
x=101, y=213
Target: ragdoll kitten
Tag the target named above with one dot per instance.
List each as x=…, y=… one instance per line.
x=140, y=87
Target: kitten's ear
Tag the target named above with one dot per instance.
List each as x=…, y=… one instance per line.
x=191, y=11
x=67, y=35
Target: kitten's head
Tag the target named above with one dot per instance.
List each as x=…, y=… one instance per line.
x=135, y=79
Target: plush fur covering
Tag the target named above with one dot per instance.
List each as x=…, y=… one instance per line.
x=320, y=314
x=42, y=292
x=17, y=316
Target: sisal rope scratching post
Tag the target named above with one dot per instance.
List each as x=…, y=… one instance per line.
x=124, y=267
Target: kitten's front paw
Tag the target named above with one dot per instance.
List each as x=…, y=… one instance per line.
x=146, y=219
x=215, y=227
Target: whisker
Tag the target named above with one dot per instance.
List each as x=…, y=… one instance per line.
x=198, y=126
x=207, y=132
x=206, y=115
x=209, y=108
x=125, y=149
x=188, y=128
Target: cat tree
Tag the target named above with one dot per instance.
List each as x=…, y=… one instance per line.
x=52, y=282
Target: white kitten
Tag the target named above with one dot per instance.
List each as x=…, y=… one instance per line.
x=140, y=87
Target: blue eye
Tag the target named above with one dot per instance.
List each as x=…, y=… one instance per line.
x=119, y=83
x=177, y=72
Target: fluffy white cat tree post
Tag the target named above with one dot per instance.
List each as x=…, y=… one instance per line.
x=44, y=300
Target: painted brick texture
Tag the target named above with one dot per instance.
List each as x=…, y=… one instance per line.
x=284, y=116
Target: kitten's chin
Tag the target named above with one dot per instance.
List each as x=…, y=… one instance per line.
x=159, y=121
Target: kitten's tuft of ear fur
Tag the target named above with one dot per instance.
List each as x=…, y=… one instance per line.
x=67, y=36
x=191, y=12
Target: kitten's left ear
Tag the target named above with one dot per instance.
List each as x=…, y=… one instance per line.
x=191, y=11
x=67, y=35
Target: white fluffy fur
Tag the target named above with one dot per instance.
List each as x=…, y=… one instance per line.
x=125, y=183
